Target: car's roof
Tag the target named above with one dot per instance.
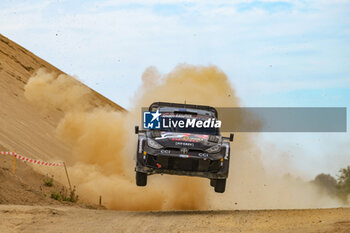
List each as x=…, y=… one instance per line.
x=186, y=110
x=157, y=105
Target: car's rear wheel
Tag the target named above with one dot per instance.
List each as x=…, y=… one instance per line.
x=220, y=185
x=141, y=179
x=212, y=182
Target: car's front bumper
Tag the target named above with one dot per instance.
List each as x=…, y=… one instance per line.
x=192, y=164
x=210, y=175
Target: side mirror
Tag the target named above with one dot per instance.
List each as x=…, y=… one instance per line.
x=136, y=129
x=231, y=137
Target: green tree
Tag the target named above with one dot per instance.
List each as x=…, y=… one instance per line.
x=343, y=185
x=326, y=182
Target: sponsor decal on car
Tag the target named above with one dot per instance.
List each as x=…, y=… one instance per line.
x=184, y=144
x=165, y=151
x=186, y=139
x=203, y=155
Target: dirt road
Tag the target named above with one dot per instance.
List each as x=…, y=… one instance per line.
x=16, y=218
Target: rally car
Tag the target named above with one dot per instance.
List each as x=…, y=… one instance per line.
x=180, y=145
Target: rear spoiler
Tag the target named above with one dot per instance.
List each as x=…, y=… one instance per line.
x=156, y=105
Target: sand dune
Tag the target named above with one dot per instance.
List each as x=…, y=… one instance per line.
x=22, y=126
x=26, y=129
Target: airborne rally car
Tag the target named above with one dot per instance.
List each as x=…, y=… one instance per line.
x=182, y=139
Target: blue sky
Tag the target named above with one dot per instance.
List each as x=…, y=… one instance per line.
x=276, y=53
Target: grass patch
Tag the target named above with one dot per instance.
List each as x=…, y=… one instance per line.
x=64, y=195
x=48, y=181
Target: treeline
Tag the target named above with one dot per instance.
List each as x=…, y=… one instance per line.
x=339, y=187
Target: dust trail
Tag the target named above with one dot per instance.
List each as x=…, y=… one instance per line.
x=49, y=90
x=104, y=147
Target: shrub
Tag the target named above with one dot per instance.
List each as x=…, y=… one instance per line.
x=64, y=195
x=48, y=181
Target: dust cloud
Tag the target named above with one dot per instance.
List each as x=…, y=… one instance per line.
x=104, y=145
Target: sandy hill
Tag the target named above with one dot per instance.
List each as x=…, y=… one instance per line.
x=25, y=186
x=23, y=127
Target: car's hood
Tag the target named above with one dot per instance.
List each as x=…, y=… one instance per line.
x=185, y=140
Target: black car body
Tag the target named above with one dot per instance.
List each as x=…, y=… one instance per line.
x=200, y=152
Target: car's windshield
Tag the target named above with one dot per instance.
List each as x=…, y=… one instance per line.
x=184, y=123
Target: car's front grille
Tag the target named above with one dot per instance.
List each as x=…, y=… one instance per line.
x=190, y=151
x=182, y=164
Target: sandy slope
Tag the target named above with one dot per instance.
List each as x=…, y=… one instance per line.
x=73, y=219
x=25, y=186
x=22, y=126
x=26, y=129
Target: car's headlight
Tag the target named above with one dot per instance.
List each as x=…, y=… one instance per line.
x=153, y=144
x=214, y=149
x=213, y=138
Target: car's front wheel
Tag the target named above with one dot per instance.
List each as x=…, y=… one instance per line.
x=220, y=185
x=141, y=179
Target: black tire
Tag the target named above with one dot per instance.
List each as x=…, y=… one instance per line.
x=212, y=182
x=141, y=179
x=220, y=185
